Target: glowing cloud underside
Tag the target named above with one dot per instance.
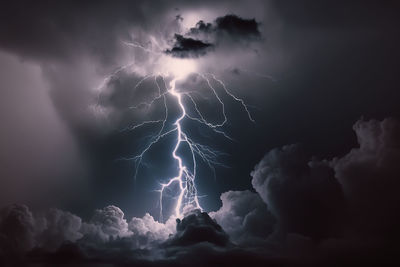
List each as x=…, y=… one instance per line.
x=176, y=69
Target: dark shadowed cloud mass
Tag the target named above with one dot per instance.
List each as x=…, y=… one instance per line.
x=295, y=187
x=230, y=27
x=303, y=211
x=188, y=47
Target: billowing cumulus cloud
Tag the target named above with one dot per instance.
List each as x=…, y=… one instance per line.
x=244, y=216
x=106, y=223
x=17, y=229
x=353, y=196
x=197, y=227
x=112, y=221
x=148, y=232
x=55, y=234
x=303, y=194
x=369, y=175
x=303, y=210
x=56, y=227
x=21, y=230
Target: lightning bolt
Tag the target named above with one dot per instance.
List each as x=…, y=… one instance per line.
x=185, y=178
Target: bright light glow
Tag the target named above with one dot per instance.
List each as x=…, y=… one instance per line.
x=190, y=17
x=176, y=67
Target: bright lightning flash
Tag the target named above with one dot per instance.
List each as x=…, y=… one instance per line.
x=178, y=69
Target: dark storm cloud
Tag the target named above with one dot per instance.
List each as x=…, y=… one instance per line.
x=74, y=45
x=49, y=31
x=334, y=60
x=369, y=175
x=227, y=27
x=237, y=26
x=61, y=52
x=354, y=196
x=188, y=48
x=32, y=134
x=232, y=25
x=303, y=194
x=197, y=227
x=61, y=237
x=17, y=229
x=245, y=217
x=57, y=227
x=21, y=230
x=304, y=211
x=311, y=46
x=201, y=27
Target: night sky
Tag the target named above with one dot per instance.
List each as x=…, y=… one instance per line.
x=309, y=173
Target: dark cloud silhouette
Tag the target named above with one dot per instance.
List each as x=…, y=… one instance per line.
x=67, y=253
x=353, y=197
x=369, y=175
x=21, y=230
x=56, y=237
x=57, y=227
x=201, y=27
x=65, y=30
x=210, y=35
x=303, y=194
x=229, y=25
x=188, y=48
x=197, y=227
x=245, y=217
x=17, y=229
x=238, y=27
x=305, y=211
